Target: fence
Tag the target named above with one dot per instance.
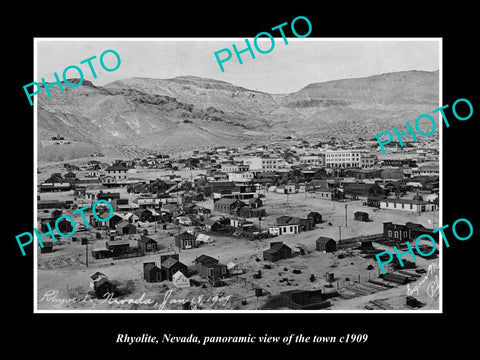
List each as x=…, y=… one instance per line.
x=132, y=254
x=359, y=239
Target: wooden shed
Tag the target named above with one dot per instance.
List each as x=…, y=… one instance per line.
x=147, y=244
x=325, y=244
x=102, y=287
x=186, y=240
x=170, y=266
x=278, y=250
x=360, y=216
x=151, y=272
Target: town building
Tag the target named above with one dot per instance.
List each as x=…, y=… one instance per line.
x=312, y=160
x=325, y=244
x=210, y=267
x=277, y=251
x=228, y=206
x=412, y=205
x=343, y=158
x=152, y=273
x=147, y=244
x=185, y=240
x=170, y=266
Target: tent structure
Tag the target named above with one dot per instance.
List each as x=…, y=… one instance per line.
x=233, y=268
x=203, y=238
x=180, y=281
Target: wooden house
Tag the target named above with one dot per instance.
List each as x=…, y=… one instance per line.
x=47, y=247
x=306, y=224
x=325, y=193
x=143, y=214
x=277, y=251
x=325, y=244
x=304, y=299
x=228, y=206
x=210, y=267
x=172, y=265
x=363, y=190
x=185, y=240
x=118, y=247
x=317, y=218
x=180, y=280
x=408, y=232
x=103, y=287
x=212, y=225
x=147, y=244
x=104, y=223
x=126, y=228
x=374, y=201
x=152, y=273
x=255, y=203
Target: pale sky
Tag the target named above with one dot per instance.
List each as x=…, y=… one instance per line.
x=286, y=69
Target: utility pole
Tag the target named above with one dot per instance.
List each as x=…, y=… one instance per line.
x=340, y=232
x=86, y=252
x=345, y=215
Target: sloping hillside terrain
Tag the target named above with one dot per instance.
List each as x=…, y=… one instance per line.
x=130, y=116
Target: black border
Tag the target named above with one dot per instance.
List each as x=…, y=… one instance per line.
x=412, y=334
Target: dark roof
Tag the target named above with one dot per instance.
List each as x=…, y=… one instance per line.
x=226, y=201
x=118, y=242
x=170, y=262
x=360, y=213
x=360, y=186
x=146, y=239
x=97, y=275
x=116, y=168
x=140, y=211
x=185, y=235
x=124, y=223
x=418, y=227
x=405, y=201
x=149, y=267
x=322, y=189
x=277, y=246
x=324, y=240
x=101, y=282
x=210, y=222
x=205, y=259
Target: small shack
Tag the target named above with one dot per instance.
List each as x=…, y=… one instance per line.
x=118, y=247
x=103, y=287
x=47, y=247
x=278, y=250
x=126, y=228
x=147, y=244
x=171, y=266
x=185, y=240
x=360, y=216
x=317, y=217
x=325, y=244
x=151, y=272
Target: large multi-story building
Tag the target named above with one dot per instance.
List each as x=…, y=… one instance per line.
x=115, y=174
x=343, y=158
x=312, y=159
x=231, y=168
x=244, y=176
x=368, y=160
